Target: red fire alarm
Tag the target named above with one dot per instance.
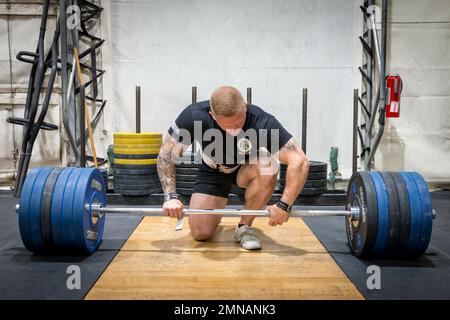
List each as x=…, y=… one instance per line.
x=394, y=87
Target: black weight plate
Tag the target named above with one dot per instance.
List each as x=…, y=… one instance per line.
x=137, y=183
x=237, y=190
x=104, y=173
x=314, y=166
x=186, y=177
x=186, y=165
x=405, y=211
x=137, y=177
x=135, y=156
x=309, y=191
x=394, y=214
x=137, y=186
x=309, y=183
x=149, y=167
x=119, y=171
x=188, y=171
x=313, y=191
x=137, y=192
x=185, y=191
x=361, y=235
x=184, y=184
x=311, y=175
x=46, y=206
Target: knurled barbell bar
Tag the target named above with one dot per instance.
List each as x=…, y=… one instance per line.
x=98, y=211
x=63, y=209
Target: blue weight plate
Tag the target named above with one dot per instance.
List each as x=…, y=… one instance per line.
x=68, y=230
x=427, y=214
x=88, y=229
x=361, y=234
x=24, y=207
x=57, y=209
x=416, y=214
x=383, y=214
x=35, y=208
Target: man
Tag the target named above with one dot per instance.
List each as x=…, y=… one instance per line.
x=225, y=128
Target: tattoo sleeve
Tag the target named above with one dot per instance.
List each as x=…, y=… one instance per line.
x=291, y=145
x=166, y=166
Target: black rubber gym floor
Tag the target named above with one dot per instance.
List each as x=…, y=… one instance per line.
x=24, y=275
x=425, y=278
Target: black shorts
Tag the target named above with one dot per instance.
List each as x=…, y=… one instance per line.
x=214, y=182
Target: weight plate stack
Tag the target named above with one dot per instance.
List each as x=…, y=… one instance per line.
x=105, y=175
x=316, y=183
x=361, y=234
x=135, y=159
x=389, y=215
x=186, y=173
x=52, y=210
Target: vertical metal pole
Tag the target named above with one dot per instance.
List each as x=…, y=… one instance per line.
x=63, y=53
x=383, y=48
x=355, y=131
x=369, y=89
x=138, y=109
x=249, y=95
x=82, y=128
x=382, y=109
x=194, y=94
x=304, y=118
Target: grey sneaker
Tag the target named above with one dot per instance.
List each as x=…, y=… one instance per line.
x=247, y=236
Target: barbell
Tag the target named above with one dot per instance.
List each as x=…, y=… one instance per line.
x=387, y=214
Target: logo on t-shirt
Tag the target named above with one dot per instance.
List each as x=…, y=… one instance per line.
x=244, y=145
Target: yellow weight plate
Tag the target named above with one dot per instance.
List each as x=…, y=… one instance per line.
x=137, y=141
x=135, y=151
x=135, y=161
x=144, y=135
x=137, y=146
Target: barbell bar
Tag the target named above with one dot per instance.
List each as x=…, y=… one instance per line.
x=97, y=210
x=387, y=214
x=353, y=213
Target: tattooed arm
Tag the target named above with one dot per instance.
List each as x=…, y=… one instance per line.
x=170, y=149
x=297, y=170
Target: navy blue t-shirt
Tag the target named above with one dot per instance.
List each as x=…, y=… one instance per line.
x=222, y=150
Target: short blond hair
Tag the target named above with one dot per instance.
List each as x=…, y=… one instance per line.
x=227, y=101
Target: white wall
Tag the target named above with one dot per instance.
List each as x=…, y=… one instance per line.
x=419, y=50
x=275, y=47
x=22, y=34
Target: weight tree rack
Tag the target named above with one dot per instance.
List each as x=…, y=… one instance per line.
x=88, y=45
x=60, y=58
x=373, y=73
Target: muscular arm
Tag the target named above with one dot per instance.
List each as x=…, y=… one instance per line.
x=297, y=170
x=170, y=149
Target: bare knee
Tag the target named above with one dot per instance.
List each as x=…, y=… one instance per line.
x=269, y=178
x=201, y=234
x=267, y=170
